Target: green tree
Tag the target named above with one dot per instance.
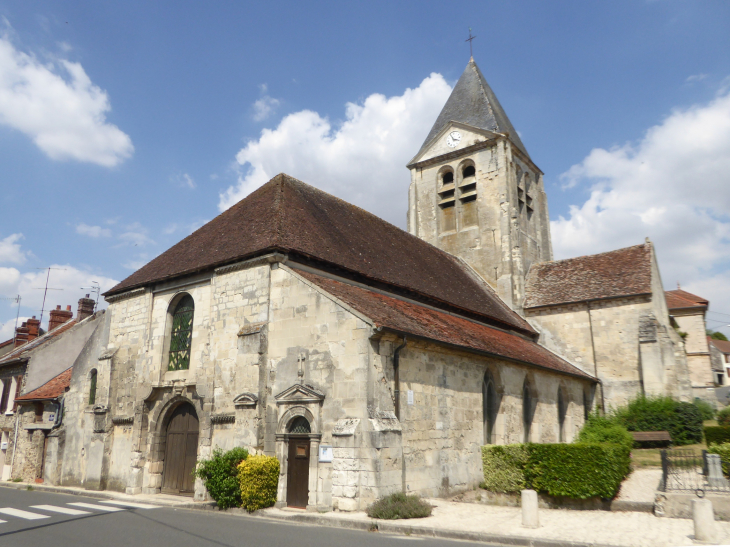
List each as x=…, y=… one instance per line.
x=716, y=335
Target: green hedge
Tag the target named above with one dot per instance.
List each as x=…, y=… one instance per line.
x=259, y=479
x=600, y=429
x=717, y=435
x=682, y=420
x=580, y=471
x=723, y=417
x=220, y=475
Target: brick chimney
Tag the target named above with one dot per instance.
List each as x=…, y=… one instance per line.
x=27, y=332
x=86, y=308
x=59, y=317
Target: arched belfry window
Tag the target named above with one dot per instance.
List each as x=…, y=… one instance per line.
x=527, y=410
x=92, y=387
x=562, y=411
x=181, y=336
x=490, y=403
x=300, y=426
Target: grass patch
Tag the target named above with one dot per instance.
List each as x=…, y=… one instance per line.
x=399, y=506
x=651, y=457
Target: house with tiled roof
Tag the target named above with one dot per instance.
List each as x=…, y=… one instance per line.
x=366, y=358
x=34, y=376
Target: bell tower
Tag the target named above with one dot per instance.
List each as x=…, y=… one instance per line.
x=476, y=193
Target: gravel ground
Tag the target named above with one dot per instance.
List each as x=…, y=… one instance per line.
x=640, y=486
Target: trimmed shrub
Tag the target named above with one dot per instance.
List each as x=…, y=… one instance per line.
x=220, y=475
x=399, y=506
x=682, y=420
x=723, y=417
x=717, y=435
x=259, y=479
x=600, y=429
x=706, y=409
x=578, y=470
x=504, y=467
x=723, y=450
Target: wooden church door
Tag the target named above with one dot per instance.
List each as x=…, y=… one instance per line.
x=297, y=483
x=181, y=451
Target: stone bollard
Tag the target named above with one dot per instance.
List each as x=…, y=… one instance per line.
x=529, y=509
x=704, y=519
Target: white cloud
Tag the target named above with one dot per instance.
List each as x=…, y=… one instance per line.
x=184, y=181
x=136, y=235
x=93, y=231
x=136, y=264
x=361, y=160
x=696, y=78
x=673, y=186
x=264, y=106
x=10, y=250
x=9, y=279
x=170, y=229
x=7, y=329
x=56, y=104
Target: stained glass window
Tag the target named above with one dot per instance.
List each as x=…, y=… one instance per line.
x=300, y=425
x=181, y=336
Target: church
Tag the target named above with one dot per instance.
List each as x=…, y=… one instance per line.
x=366, y=358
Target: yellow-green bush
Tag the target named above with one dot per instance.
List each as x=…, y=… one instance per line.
x=722, y=450
x=504, y=467
x=259, y=477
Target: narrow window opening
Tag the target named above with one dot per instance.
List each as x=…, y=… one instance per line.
x=92, y=387
x=562, y=411
x=38, y=407
x=469, y=171
x=300, y=426
x=490, y=403
x=526, y=411
x=181, y=337
x=5, y=395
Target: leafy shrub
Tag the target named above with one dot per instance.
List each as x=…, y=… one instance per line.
x=399, y=506
x=578, y=470
x=706, y=409
x=220, y=475
x=717, y=435
x=723, y=417
x=723, y=450
x=682, y=420
x=259, y=479
x=504, y=467
x=600, y=429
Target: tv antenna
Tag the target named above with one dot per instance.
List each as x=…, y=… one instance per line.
x=46, y=289
x=95, y=288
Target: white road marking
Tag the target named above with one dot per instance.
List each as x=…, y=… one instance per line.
x=97, y=507
x=27, y=515
x=130, y=504
x=56, y=509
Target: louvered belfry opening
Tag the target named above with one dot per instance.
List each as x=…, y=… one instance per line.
x=181, y=336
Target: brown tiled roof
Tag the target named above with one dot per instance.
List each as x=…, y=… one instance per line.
x=52, y=389
x=417, y=320
x=290, y=216
x=27, y=348
x=722, y=345
x=624, y=272
x=679, y=299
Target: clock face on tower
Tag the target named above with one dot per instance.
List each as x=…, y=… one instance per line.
x=453, y=139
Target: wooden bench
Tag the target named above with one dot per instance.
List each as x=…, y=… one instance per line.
x=651, y=436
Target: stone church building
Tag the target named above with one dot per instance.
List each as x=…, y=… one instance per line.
x=365, y=358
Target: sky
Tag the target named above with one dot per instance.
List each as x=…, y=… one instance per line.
x=125, y=126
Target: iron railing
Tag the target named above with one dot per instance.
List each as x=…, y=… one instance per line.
x=688, y=471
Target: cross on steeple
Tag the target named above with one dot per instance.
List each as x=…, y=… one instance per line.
x=471, y=53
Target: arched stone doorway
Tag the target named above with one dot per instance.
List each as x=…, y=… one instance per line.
x=181, y=451
x=297, y=492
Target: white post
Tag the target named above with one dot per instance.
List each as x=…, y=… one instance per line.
x=529, y=509
x=704, y=520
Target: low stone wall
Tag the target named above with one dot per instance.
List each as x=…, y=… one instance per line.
x=545, y=501
x=679, y=505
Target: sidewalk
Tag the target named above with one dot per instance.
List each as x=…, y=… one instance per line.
x=467, y=521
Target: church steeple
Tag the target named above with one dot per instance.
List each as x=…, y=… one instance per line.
x=473, y=102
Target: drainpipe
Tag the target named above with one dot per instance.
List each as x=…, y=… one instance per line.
x=396, y=377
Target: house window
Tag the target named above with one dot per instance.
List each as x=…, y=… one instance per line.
x=490, y=404
x=527, y=410
x=92, y=387
x=562, y=411
x=5, y=395
x=38, y=412
x=181, y=337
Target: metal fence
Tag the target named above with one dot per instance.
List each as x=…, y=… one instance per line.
x=688, y=471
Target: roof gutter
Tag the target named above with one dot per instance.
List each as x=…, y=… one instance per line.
x=584, y=376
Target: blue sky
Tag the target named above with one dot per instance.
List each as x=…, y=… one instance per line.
x=126, y=125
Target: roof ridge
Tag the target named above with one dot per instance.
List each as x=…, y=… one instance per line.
x=548, y=262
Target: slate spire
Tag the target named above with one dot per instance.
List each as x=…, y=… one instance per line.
x=473, y=102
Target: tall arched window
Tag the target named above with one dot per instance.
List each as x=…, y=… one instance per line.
x=181, y=336
x=562, y=411
x=526, y=410
x=490, y=404
x=92, y=387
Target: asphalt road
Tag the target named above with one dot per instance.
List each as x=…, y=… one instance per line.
x=33, y=518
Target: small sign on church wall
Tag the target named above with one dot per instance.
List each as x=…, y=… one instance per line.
x=410, y=396
x=325, y=453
